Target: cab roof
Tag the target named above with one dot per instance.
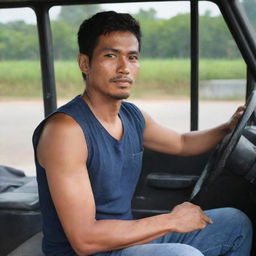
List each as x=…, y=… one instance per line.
x=31, y=3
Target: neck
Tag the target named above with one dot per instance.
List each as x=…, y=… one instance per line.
x=105, y=109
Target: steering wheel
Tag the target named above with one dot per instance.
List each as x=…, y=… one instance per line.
x=216, y=163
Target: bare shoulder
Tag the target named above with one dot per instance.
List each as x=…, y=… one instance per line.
x=62, y=122
x=147, y=117
x=60, y=127
x=61, y=136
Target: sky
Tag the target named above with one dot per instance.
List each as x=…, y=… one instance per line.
x=164, y=10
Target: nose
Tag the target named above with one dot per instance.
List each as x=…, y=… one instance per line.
x=122, y=67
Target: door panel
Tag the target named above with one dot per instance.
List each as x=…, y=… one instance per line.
x=165, y=181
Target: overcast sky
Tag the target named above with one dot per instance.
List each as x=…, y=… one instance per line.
x=164, y=10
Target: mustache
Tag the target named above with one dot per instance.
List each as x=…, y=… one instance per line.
x=116, y=78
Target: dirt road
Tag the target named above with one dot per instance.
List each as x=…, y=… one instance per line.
x=19, y=118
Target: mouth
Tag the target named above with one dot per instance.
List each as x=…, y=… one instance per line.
x=122, y=81
x=123, y=85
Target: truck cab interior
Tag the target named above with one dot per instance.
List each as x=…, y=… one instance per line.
x=224, y=177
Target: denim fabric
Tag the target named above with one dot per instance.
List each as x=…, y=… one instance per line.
x=229, y=235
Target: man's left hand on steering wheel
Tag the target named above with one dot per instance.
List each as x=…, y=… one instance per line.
x=232, y=123
x=234, y=129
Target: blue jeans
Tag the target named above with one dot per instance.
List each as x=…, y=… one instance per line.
x=229, y=235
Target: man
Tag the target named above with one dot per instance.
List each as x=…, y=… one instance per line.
x=88, y=158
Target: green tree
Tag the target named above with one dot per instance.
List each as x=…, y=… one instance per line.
x=75, y=14
x=18, y=40
x=149, y=26
x=162, y=38
x=174, y=37
x=64, y=40
x=144, y=15
x=66, y=26
x=215, y=39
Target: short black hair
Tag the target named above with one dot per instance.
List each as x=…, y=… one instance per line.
x=103, y=23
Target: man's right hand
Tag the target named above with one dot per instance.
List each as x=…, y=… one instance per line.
x=188, y=217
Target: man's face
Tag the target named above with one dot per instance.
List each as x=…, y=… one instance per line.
x=114, y=65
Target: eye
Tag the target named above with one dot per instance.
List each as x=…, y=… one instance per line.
x=133, y=57
x=110, y=55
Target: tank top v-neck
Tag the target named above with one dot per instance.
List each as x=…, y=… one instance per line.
x=113, y=166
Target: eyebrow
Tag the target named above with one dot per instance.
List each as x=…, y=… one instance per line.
x=118, y=51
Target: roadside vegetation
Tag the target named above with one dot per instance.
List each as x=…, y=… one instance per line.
x=165, y=53
x=158, y=77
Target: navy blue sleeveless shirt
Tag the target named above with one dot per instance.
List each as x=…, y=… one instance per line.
x=113, y=166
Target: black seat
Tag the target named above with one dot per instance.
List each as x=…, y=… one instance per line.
x=32, y=247
x=20, y=216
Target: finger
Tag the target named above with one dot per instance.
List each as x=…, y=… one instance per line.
x=241, y=108
x=210, y=221
x=238, y=115
x=239, y=111
x=207, y=219
x=202, y=225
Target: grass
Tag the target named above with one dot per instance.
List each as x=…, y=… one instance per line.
x=20, y=78
x=157, y=76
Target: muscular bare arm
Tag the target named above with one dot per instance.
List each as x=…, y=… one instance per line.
x=162, y=139
x=62, y=151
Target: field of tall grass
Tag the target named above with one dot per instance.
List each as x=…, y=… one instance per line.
x=159, y=77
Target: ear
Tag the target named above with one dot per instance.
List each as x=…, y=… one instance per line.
x=83, y=62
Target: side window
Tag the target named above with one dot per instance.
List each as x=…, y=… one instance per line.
x=20, y=87
x=64, y=24
x=162, y=87
x=222, y=70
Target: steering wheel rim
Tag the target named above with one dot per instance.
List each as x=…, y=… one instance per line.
x=217, y=161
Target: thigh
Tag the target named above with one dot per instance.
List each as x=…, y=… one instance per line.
x=229, y=230
x=171, y=249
